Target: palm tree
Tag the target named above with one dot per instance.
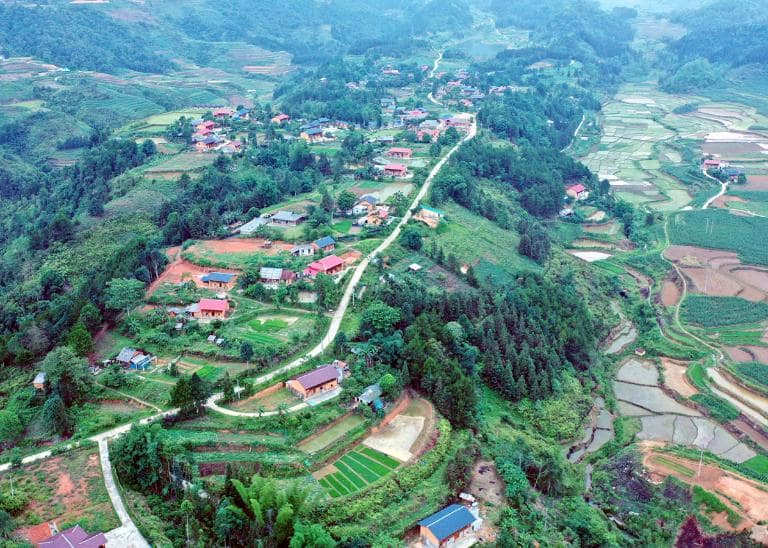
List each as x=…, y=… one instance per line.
x=260, y=410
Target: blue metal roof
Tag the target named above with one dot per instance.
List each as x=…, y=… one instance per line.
x=325, y=241
x=314, y=131
x=218, y=277
x=448, y=521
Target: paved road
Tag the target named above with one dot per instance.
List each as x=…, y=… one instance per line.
x=213, y=406
x=338, y=316
x=127, y=535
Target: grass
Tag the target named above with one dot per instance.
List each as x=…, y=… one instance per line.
x=333, y=434
x=270, y=402
x=272, y=325
x=674, y=465
x=720, y=311
x=356, y=470
x=719, y=409
x=753, y=371
x=697, y=375
x=758, y=464
x=702, y=497
x=342, y=226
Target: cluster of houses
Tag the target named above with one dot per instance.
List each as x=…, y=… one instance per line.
x=722, y=168
x=209, y=135
x=130, y=358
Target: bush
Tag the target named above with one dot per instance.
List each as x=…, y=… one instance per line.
x=719, y=409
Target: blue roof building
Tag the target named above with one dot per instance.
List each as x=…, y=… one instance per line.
x=449, y=524
x=218, y=277
x=325, y=242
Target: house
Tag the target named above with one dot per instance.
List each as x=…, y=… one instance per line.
x=312, y=134
x=364, y=205
x=733, y=173
x=387, y=102
x=396, y=170
x=390, y=72
x=429, y=216
x=207, y=125
x=125, y=356
x=212, y=308
x=287, y=218
x=305, y=250
x=326, y=244
x=252, y=226
x=428, y=125
x=377, y=217
x=280, y=119
x=398, y=152
x=218, y=280
x=329, y=265
x=414, y=267
x=711, y=164
x=577, y=192
x=41, y=532
x=323, y=379
x=385, y=139
x=141, y=361
x=273, y=277
x=458, y=122
x=450, y=526
x=74, y=537
x=39, y=381
x=222, y=112
x=434, y=134
x=371, y=396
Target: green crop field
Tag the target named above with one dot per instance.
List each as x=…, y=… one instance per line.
x=356, y=470
x=333, y=434
x=756, y=372
x=720, y=311
x=719, y=229
x=272, y=325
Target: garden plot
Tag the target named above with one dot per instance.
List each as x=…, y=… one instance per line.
x=175, y=166
x=665, y=420
x=276, y=399
x=355, y=470
x=676, y=379
x=233, y=252
x=333, y=433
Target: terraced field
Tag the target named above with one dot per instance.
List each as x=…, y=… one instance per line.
x=356, y=470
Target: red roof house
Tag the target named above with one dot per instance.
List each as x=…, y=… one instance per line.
x=212, y=308
x=327, y=265
x=577, y=192
x=280, y=118
x=222, y=112
x=398, y=152
x=396, y=170
x=711, y=163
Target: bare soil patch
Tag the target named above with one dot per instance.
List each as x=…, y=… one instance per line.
x=240, y=245
x=181, y=271
x=670, y=293
x=748, y=353
x=730, y=149
x=675, y=378
x=756, y=182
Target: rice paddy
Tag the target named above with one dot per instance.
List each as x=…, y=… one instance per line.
x=356, y=470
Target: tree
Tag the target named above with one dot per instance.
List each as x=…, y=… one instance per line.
x=228, y=388
x=200, y=390
x=411, y=238
x=311, y=536
x=80, y=340
x=381, y=316
x=90, y=316
x=246, y=352
x=113, y=376
x=141, y=456
x=124, y=293
x=7, y=525
x=67, y=374
x=54, y=416
x=187, y=509
x=181, y=395
x=10, y=426
x=230, y=523
x=346, y=200
x=284, y=523
x=388, y=384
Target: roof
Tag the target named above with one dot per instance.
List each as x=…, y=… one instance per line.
x=433, y=210
x=318, y=377
x=74, y=536
x=140, y=358
x=370, y=198
x=41, y=532
x=39, y=378
x=395, y=167
x=126, y=354
x=267, y=273
x=251, y=226
x=287, y=216
x=325, y=241
x=222, y=277
x=218, y=305
x=314, y=131
x=326, y=263
x=400, y=150
x=448, y=521
x=300, y=248
x=371, y=393
x=577, y=188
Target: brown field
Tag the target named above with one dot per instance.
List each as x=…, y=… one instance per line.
x=675, y=378
x=747, y=498
x=731, y=149
x=748, y=353
x=239, y=245
x=719, y=273
x=670, y=293
x=756, y=182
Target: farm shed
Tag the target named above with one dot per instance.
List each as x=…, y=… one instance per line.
x=448, y=527
x=315, y=382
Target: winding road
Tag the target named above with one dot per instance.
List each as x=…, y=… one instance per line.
x=338, y=316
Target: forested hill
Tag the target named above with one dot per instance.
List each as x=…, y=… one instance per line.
x=721, y=35
x=151, y=37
